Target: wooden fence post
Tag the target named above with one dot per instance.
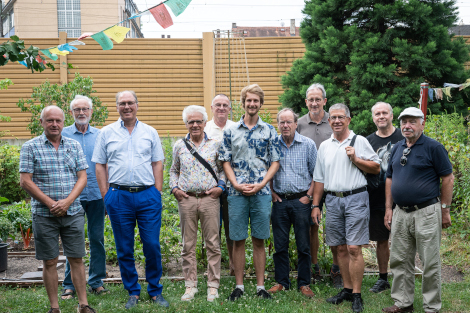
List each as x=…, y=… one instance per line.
x=208, y=70
x=63, y=65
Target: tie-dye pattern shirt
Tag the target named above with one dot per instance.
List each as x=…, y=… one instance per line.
x=250, y=153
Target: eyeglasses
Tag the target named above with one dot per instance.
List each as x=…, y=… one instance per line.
x=317, y=100
x=286, y=123
x=198, y=122
x=220, y=105
x=84, y=110
x=339, y=118
x=403, y=158
x=123, y=104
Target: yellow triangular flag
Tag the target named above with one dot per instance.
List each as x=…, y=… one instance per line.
x=57, y=51
x=117, y=33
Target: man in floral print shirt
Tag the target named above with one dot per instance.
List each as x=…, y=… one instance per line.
x=250, y=152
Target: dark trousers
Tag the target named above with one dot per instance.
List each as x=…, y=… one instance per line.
x=285, y=214
x=124, y=209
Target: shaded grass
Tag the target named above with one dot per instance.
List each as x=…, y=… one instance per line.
x=456, y=298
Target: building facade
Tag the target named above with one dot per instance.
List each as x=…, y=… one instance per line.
x=45, y=19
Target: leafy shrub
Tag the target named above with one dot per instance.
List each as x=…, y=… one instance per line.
x=6, y=228
x=19, y=214
x=9, y=173
x=61, y=95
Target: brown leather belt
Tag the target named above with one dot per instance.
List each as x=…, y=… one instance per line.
x=197, y=195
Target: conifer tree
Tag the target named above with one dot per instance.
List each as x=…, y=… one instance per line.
x=364, y=51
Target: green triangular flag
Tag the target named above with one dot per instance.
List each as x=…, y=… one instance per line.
x=103, y=40
x=177, y=6
x=49, y=55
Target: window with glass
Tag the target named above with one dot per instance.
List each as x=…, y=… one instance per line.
x=69, y=17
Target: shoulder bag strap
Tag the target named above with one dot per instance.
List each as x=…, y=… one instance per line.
x=353, y=140
x=200, y=159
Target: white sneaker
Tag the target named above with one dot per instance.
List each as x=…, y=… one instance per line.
x=212, y=294
x=189, y=294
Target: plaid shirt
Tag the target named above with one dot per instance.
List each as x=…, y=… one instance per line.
x=54, y=172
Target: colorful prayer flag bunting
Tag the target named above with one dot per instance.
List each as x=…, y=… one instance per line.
x=103, y=40
x=57, y=51
x=117, y=33
x=162, y=16
x=49, y=55
x=66, y=47
x=177, y=6
x=76, y=43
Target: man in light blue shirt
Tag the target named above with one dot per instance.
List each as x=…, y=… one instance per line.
x=292, y=191
x=81, y=108
x=134, y=155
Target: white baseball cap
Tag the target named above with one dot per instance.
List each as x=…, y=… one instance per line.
x=411, y=112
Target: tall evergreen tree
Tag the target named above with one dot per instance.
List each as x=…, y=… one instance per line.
x=364, y=51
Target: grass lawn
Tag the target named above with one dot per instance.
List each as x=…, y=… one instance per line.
x=456, y=298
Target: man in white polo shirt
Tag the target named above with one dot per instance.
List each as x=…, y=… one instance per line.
x=339, y=172
x=215, y=129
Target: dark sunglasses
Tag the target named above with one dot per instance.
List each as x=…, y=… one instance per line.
x=403, y=158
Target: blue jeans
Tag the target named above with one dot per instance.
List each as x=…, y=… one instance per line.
x=124, y=209
x=285, y=214
x=94, y=211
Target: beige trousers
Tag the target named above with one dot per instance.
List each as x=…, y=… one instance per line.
x=416, y=231
x=207, y=210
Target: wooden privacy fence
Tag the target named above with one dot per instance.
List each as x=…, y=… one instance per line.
x=166, y=74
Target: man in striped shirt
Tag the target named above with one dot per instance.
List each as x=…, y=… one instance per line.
x=292, y=191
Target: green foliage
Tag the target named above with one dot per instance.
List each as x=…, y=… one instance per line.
x=109, y=244
x=452, y=131
x=19, y=215
x=6, y=228
x=9, y=173
x=369, y=51
x=61, y=95
x=15, y=50
x=5, y=83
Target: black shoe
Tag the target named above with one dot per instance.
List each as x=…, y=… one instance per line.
x=380, y=285
x=343, y=295
x=337, y=280
x=132, y=302
x=160, y=301
x=263, y=294
x=236, y=294
x=357, y=305
x=316, y=277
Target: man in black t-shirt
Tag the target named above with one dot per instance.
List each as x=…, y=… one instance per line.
x=382, y=141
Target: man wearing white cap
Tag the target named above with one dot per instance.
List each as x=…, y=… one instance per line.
x=416, y=167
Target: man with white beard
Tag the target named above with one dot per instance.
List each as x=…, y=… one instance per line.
x=81, y=109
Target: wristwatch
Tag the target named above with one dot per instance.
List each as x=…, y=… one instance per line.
x=445, y=206
x=315, y=206
x=310, y=198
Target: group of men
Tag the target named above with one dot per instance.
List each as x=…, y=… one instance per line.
x=244, y=174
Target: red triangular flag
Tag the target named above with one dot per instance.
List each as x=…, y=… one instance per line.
x=162, y=16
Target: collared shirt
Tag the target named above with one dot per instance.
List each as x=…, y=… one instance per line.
x=419, y=179
x=336, y=170
x=87, y=141
x=296, y=168
x=188, y=174
x=129, y=156
x=250, y=153
x=214, y=131
x=318, y=132
x=54, y=171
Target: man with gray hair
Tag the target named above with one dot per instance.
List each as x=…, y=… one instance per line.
x=382, y=141
x=81, y=109
x=133, y=154
x=53, y=171
x=314, y=125
x=341, y=161
x=215, y=128
x=197, y=179
x=291, y=191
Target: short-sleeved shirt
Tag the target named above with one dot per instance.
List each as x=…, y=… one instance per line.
x=296, y=167
x=383, y=147
x=129, y=156
x=334, y=168
x=54, y=171
x=87, y=142
x=214, y=131
x=318, y=132
x=250, y=153
x=419, y=179
x=188, y=174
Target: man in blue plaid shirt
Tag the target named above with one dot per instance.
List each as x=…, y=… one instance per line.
x=53, y=172
x=292, y=190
